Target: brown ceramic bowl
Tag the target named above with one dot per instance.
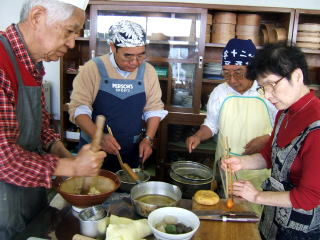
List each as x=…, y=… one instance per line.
x=106, y=183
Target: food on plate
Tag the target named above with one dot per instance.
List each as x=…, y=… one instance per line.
x=170, y=224
x=121, y=228
x=206, y=197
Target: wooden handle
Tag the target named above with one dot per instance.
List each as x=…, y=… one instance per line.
x=96, y=141
x=129, y=170
x=81, y=237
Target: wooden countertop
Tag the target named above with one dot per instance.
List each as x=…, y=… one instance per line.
x=64, y=224
x=226, y=230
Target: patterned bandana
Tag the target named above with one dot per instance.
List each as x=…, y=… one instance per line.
x=127, y=34
x=238, y=52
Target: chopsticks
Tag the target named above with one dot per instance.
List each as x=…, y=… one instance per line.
x=228, y=176
x=123, y=165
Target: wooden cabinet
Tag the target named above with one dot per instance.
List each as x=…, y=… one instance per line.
x=69, y=66
x=312, y=52
x=179, y=51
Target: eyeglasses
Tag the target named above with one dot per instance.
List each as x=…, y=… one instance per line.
x=236, y=74
x=131, y=57
x=268, y=87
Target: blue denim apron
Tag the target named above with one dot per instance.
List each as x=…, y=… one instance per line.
x=121, y=101
x=19, y=205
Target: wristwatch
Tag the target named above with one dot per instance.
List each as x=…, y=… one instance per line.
x=149, y=139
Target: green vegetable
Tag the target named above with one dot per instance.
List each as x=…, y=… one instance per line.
x=171, y=229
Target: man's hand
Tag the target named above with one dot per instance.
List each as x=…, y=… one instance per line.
x=110, y=144
x=145, y=149
x=192, y=142
x=256, y=145
x=87, y=162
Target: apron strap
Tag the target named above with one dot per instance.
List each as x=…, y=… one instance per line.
x=6, y=45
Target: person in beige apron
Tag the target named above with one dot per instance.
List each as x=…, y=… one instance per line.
x=237, y=112
x=30, y=151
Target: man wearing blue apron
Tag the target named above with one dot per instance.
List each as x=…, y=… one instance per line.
x=237, y=112
x=123, y=88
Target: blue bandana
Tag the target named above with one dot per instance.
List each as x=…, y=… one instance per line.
x=238, y=52
x=127, y=34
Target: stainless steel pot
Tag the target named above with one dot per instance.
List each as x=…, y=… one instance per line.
x=127, y=183
x=153, y=188
x=191, y=177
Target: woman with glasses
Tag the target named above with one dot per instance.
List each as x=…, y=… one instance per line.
x=292, y=194
x=237, y=111
x=125, y=89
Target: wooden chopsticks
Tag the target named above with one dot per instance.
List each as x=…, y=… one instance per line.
x=228, y=176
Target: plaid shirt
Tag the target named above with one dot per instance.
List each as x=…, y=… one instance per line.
x=17, y=165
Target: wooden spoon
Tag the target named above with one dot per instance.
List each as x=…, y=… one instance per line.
x=125, y=166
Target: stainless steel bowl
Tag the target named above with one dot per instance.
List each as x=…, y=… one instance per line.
x=153, y=188
x=126, y=181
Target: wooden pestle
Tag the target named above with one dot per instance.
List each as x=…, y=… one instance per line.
x=125, y=166
x=95, y=147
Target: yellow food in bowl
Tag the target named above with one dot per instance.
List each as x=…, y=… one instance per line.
x=206, y=197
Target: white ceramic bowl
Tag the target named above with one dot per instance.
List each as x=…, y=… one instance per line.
x=184, y=216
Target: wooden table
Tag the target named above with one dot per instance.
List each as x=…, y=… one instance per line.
x=226, y=230
x=64, y=224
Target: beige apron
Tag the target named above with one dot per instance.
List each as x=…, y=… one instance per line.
x=241, y=119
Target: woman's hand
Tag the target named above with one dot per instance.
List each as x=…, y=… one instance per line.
x=234, y=163
x=246, y=190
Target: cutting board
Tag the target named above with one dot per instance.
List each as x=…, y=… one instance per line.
x=226, y=230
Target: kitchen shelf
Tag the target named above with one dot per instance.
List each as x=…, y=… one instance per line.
x=183, y=68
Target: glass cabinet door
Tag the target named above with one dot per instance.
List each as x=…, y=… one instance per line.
x=173, y=47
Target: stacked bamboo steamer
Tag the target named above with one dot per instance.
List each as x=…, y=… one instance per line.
x=208, y=29
x=308, y=35
x=248, y=27
x=223, y=27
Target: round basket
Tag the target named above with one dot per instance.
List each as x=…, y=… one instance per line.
x=278, y=35
x=223, y=28
x=249, y=19
x=247, y=30
x=225, y=17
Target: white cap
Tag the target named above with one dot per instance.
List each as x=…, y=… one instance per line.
x=82, y=4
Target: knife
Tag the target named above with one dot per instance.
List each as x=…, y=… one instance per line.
x=229, y=216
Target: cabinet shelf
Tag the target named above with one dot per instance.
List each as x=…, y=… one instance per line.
x=171, y=60
x=173, y=42
x=205, y=148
